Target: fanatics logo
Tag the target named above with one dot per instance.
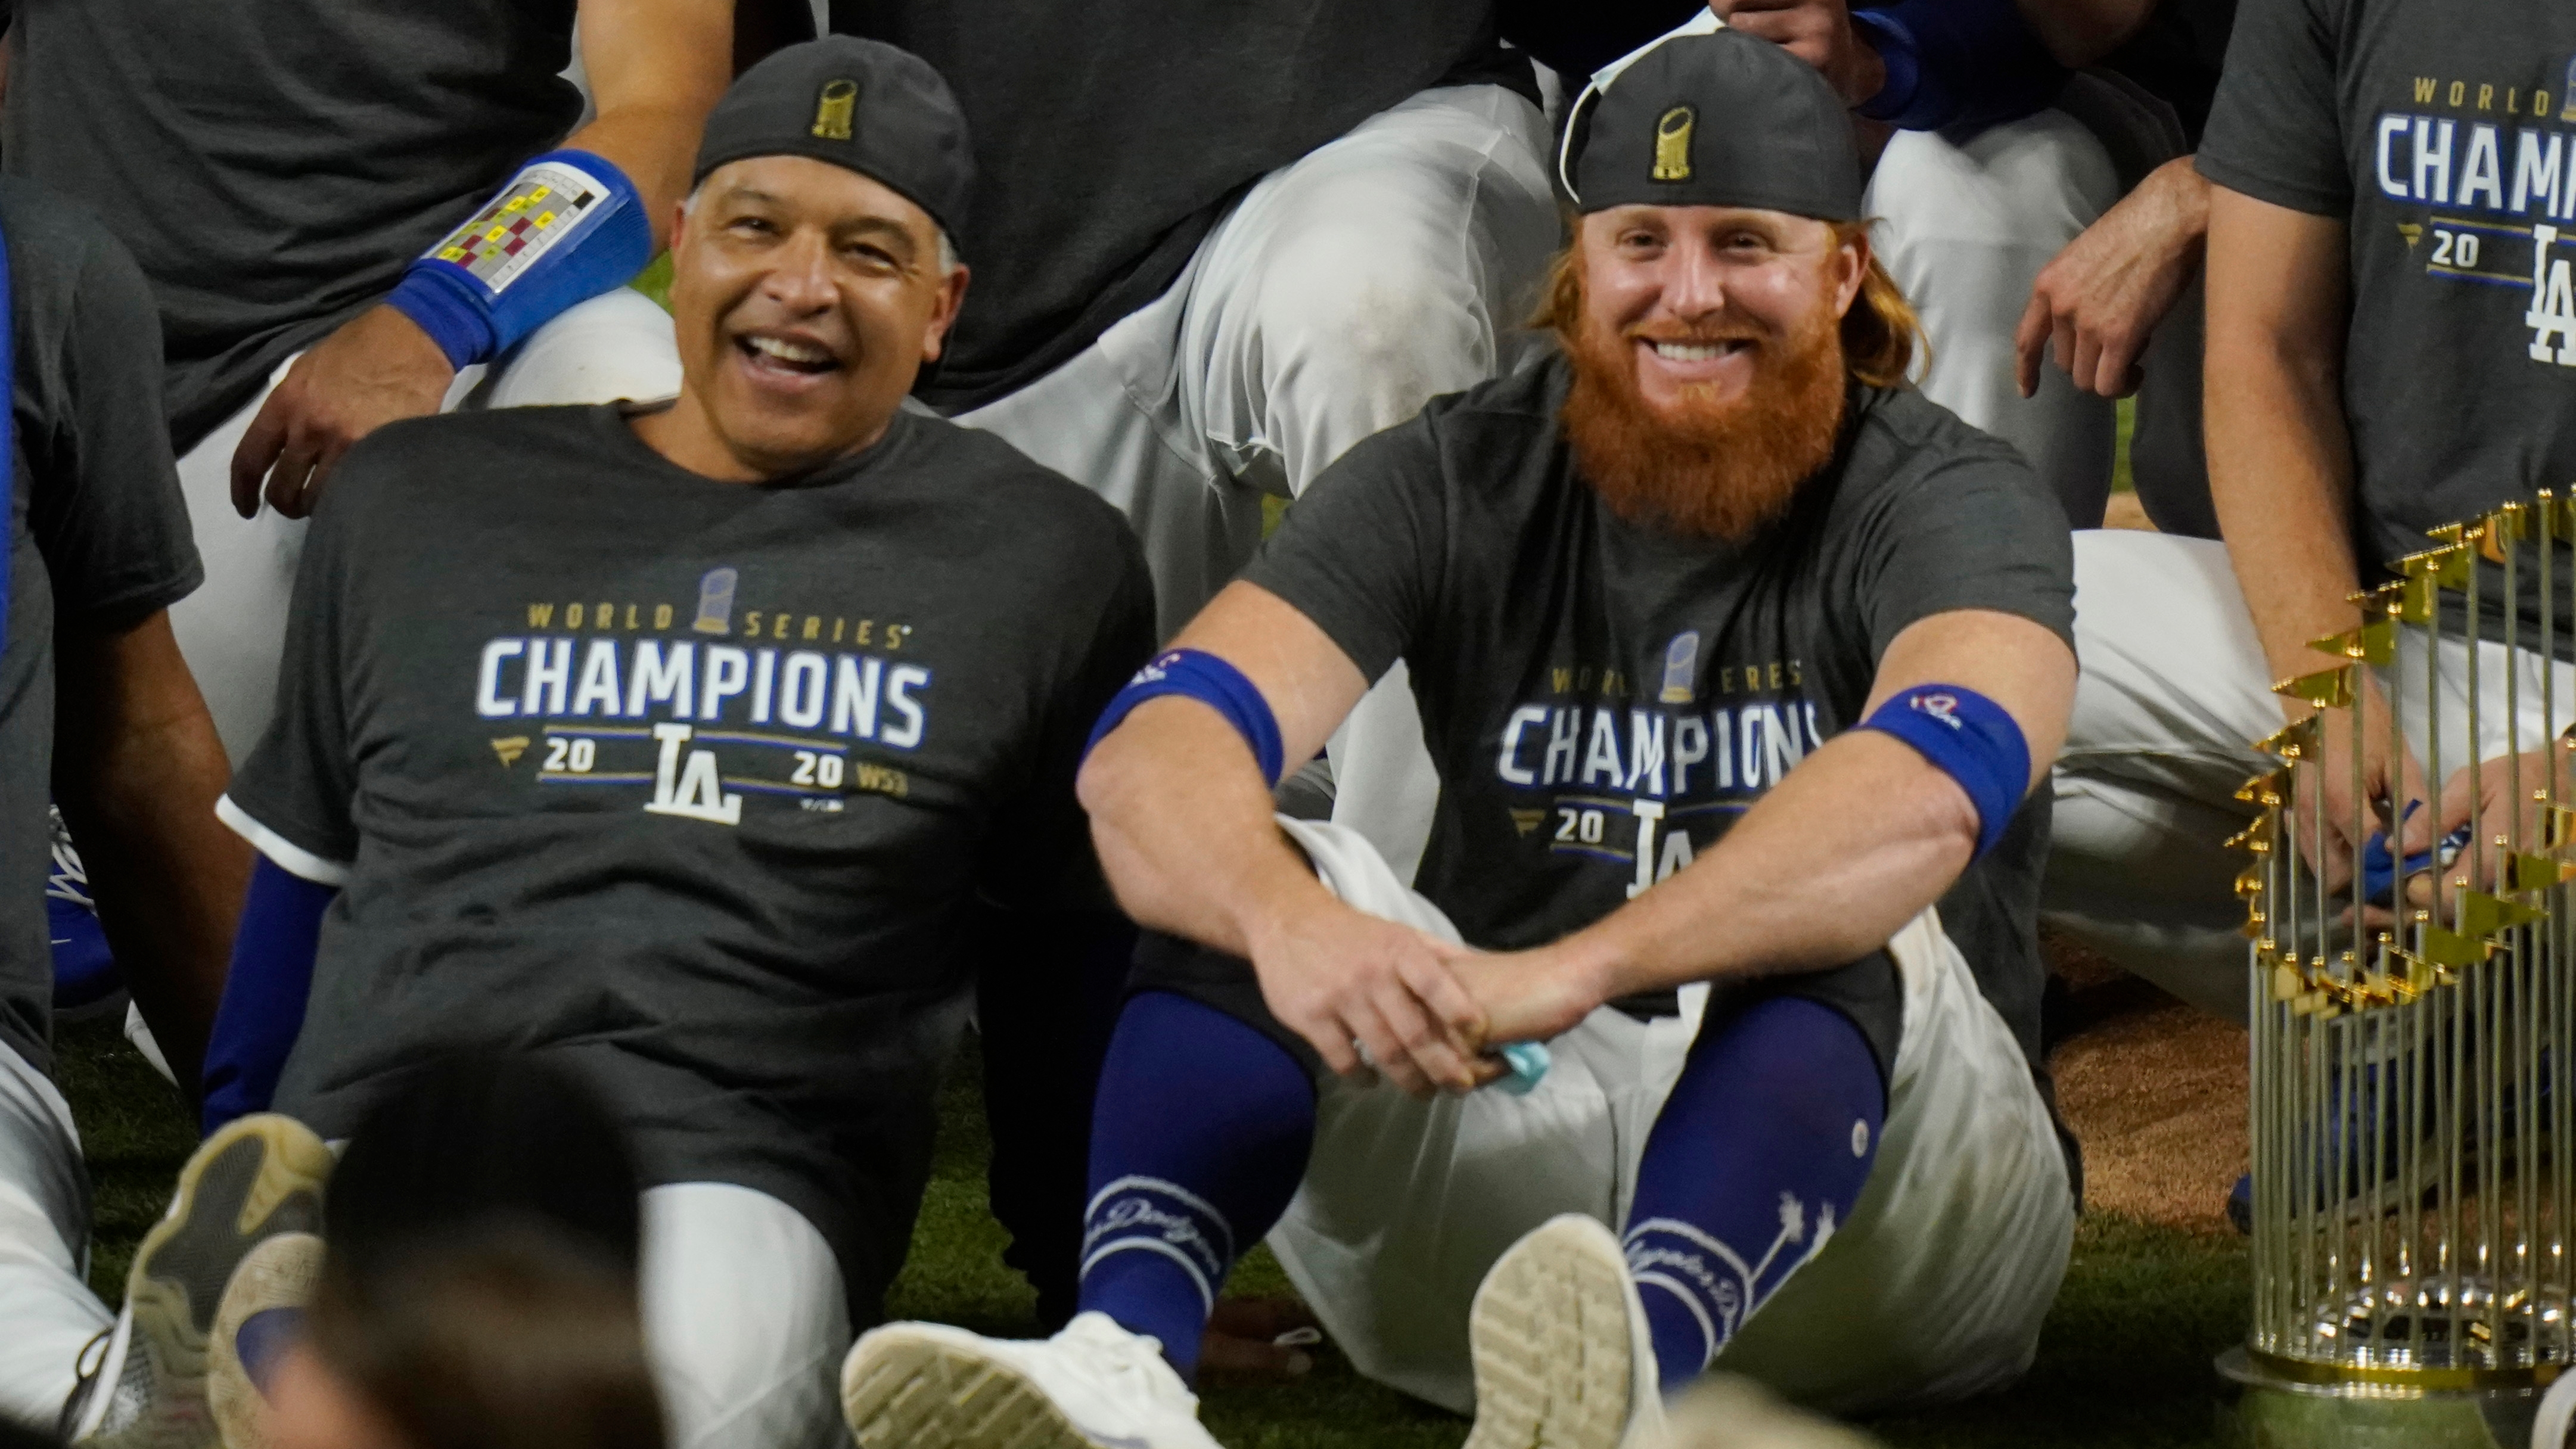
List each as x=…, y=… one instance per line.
x=833, y=108
x=1672, y=144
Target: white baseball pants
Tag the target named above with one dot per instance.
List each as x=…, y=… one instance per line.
x=1347, y=289
x=1934, y=1289
x=742, y=1298
x=2174, y=691
x=232, y=629
x=1965, y=229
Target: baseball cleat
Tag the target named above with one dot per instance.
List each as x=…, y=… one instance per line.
x=1562, y=1354
x=1092, y=1386
x=261, y=1314
x=256, y=1178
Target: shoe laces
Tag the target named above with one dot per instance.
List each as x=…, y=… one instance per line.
x=1133, y=1363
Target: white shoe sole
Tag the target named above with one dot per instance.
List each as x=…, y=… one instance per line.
x=921, y=1386
x=1552, y=1342
x=283, y=1272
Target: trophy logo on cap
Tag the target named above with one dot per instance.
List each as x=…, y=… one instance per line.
x=1672, y=144
x=833, y=108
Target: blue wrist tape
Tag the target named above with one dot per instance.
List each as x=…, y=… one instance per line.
x=1212, y=682
x=568, y=227
x=1969, y=738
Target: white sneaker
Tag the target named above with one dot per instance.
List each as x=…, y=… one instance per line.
x=1563, y=1357
x=2554, y=1426
x=1092, y=1386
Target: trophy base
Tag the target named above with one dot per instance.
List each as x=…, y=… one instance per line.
x=2263, y=1410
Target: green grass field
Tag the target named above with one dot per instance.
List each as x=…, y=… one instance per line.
x=2125, y=1361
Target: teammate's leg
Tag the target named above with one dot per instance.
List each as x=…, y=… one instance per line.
x=744, y=1317
x=1047, y=993
x=616, y=345
x=1760, y=1152
x=2174, y=692
x=1348, y=289
x=44, y=1232
x=1965, y=229
x=1758, y=1155
x=1201, y=1134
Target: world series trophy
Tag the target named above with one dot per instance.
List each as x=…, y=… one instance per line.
x=2412, y=1020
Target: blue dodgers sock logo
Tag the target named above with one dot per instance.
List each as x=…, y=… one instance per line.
x=1711, y=1279
x=1147, y=1214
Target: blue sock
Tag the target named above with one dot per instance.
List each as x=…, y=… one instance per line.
x=1761, y=1150
x=1198, y=1139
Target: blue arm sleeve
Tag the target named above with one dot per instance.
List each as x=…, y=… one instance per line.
x=263, y=1006
x=568, y=227
x=1956, y=62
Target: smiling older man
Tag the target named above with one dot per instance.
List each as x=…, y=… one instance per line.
x=1736, y=659
x=671, y=743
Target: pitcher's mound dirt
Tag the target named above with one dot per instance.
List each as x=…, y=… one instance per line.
x=2154, y=1089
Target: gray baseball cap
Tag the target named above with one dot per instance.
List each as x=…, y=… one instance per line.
x=1721, y=119
x=859, y=104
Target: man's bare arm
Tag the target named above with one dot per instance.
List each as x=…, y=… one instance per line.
x=1184, y=826
x=1846, y=849
x=2280, y=454
x=137, y=768
x=655, y=68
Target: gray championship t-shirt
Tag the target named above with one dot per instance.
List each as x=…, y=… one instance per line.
x=1111, y=136
x=2444, y=133
x=275, y=164
x=99, y=535
x=1603, y=700
x=684, y=783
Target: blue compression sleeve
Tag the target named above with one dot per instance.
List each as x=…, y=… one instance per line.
x=568, y=227
x=1956, y=62
x=263, y=1006
x=1969, y=738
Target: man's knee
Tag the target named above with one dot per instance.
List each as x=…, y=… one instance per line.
x=745, y=1318
x=617, y=345
x=2033, y=185
x=1357, y=316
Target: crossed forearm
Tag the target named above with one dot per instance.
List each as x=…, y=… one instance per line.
x=1823, y=870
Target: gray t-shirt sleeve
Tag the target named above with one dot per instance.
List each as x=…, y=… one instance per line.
x=1360, y=554
x=1038, y=851
x=1974, y=533
x=298, y=788
x=108, y=516
x=2275, y=131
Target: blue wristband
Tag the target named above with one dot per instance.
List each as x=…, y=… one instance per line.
x=1212, y=682
x=1895, y=46
x=568, y=227
x=1969, y=738
x=1965, y=62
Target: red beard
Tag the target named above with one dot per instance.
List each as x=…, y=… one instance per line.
x=1709, y=469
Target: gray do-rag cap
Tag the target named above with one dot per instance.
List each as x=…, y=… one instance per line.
x=1721, y=119
x=860, y=104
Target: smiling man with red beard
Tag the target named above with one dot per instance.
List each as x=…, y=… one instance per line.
x=1738, y=660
